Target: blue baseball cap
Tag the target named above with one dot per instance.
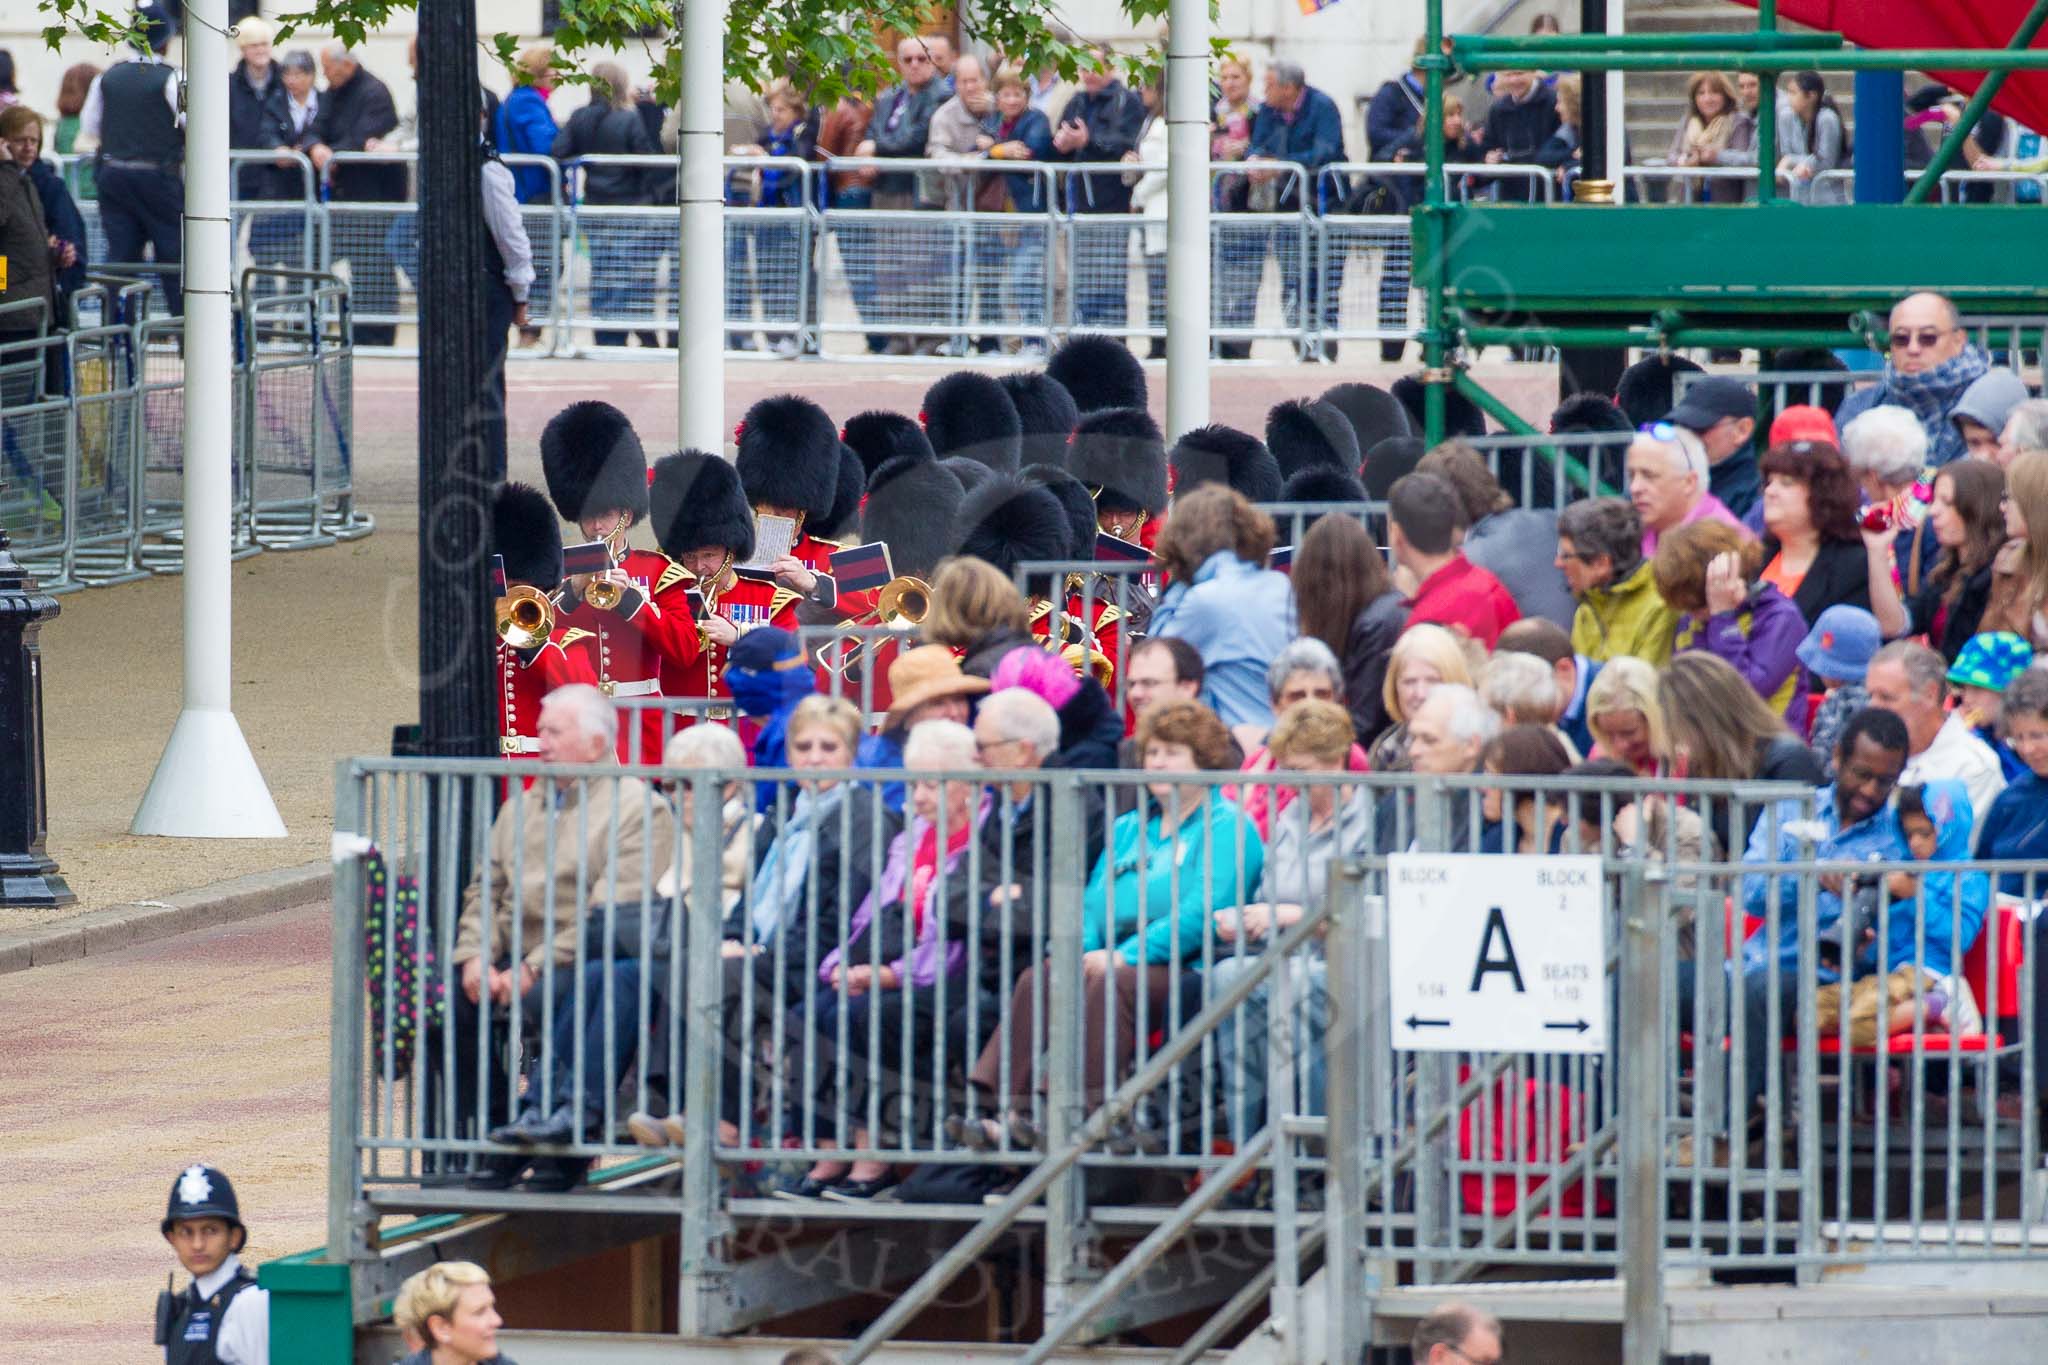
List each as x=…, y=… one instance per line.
x=1841, y=643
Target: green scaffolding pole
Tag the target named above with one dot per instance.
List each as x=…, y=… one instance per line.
x=1570, y=44
x=1512, y=420
x=1434, y=351
x=1766, y=62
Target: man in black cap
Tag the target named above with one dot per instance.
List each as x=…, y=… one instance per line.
x=135, y=109
x=221, y=1318
x=1722, y=412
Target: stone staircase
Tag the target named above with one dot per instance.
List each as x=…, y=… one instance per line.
x=1656, y=100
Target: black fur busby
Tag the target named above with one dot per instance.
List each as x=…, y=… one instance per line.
x=1644, y=393
x=1374, y=413
x=1388, y=461
x=853, y=481
x=1100, y=372
x=1220, y=454
x=910, y=507
x=696, y=502
x=972, y=414
x=880, y=436
x=1007, y=521
x=1045, y=412
x=1120, y=456
x=972, y=474
x=1587, y=413
x=1305, y=431
x=789, y=455
x=592, y=462
x=524, y=530
x=1462, y=416
x=1806, y=359
x=1073, y=496
x=1323, y=483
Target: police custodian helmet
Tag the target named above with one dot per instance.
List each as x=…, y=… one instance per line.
x=202, y=1192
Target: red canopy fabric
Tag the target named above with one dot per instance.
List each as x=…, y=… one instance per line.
x=1936, y=23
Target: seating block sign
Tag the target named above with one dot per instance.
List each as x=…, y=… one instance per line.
x=1496, y=953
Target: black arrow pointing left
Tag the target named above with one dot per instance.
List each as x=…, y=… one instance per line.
x=1414, y=1023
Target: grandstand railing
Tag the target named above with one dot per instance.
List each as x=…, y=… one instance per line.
x=92, y=430
x=1726, y=1112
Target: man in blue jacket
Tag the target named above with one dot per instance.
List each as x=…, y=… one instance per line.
x=1298, y=123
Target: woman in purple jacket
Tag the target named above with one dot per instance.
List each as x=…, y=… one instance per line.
x=885, y=977
x=1707, y=572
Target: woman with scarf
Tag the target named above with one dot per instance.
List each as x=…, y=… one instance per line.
x=1710, y=116
x=820, y=858
x=1968, y=519
x=768, y=678
x=878, y=991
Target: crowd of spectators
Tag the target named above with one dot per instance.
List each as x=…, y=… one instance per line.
x=1665, y=635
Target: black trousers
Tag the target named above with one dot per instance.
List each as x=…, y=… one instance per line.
x=498, y=308
x=145, y=208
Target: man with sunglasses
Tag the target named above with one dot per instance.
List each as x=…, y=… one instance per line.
x=1931, y=365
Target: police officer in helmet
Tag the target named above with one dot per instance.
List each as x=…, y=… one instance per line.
x=221, y=1317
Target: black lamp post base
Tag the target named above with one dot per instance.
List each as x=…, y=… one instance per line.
x=33, y=882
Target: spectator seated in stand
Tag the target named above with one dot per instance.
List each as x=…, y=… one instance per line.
x=1344, y=597
x=1625, y=718
x=1305, y=671
x=1572, y=673
x=1517, y=545
x=1424, y=517
x=768, y=675
x=1836, y=653
x=1090, y=728
x=1931, y=364
x=1813, y=548
x=1721, y=411
x=1522, y=690
x=1887, y=452
x=1981, y=673
x=1707, y=573
x=1986, y=406
x=1424, y=657
x=2016, y=825
x=1719, y=729
x=1447, y=736
x=1599, y=551
x=1220, y=598
x=1967, y=517
x=1909, y=680
x=1517, y=819
x=925, y=683
x=1667, y=483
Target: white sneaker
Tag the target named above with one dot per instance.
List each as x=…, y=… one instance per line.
x=787, y=347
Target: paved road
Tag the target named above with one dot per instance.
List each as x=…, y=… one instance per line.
x=118, y=1071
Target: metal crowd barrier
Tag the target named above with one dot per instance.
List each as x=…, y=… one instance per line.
x=92, y=430
x=1741, y=1109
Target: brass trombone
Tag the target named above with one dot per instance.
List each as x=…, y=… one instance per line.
x=524, y=617
x=902, y=603
x=602, y=593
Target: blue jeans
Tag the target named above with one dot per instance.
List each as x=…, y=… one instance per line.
x=606, y=1050
x=1241, y=1061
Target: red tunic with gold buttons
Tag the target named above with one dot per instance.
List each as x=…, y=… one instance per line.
x=525, y=677
x=749, y=604
x=631, y=648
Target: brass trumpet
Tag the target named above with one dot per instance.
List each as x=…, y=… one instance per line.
x=525, y=617
x=602, y=593
x=1089, y=662
x=903, y=602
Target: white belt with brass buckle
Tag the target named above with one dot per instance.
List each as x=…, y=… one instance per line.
x=646, y=687
x=518, y=744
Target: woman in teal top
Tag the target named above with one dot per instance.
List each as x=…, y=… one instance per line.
x=1187, y=852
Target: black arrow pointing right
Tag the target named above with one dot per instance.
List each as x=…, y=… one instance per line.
x=1574, y=1025
x=1413, y=1023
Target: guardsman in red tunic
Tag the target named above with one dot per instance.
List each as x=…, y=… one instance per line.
x=705, y=527
x=788, y=461
x=636, y=628
x=911, y=504
x=972, y=416
x=526, y=536
x=1120, y=456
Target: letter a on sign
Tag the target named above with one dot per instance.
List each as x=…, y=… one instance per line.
x=1496, y=927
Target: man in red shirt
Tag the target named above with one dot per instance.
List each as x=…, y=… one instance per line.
x=1425, y=519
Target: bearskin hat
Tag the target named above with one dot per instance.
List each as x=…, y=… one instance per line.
x=880, y=436
x=1046, y=412
x=1585, y=413
x=1388, y=461
x=972, y=474
x=1644, y=393
x=853, y=481
x=1806, y=359
x=1007, y=521
x=1374, y=413
x=1073, y=496
x=1305, y=431
x=1220, y=454
x=1100, y=372
x=972, y=414
x=1462, y=416
x=789, y=455
x=524, y=530
x=910, y=508
x=697, y=501
x=1121, y=452
x=1323, y=483
x=591, y=460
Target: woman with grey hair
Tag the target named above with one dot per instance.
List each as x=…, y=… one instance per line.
x=1887, y=452
x=1306, y=670
x=1522, y=690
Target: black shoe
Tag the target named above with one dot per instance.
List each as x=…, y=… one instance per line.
x=852, y=1191
x=556, y=1174
x=495, y=1172
x=519, y=1132
x=1392, y=352
x=806, y=1187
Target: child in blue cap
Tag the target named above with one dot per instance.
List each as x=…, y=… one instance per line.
x=1837, y=652
x=1984, y=666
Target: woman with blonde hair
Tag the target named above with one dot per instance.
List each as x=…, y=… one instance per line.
x=1424, y=656
x=456, y=1314
x=2019, y=571
x=1626, y=721
x=978, y=611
